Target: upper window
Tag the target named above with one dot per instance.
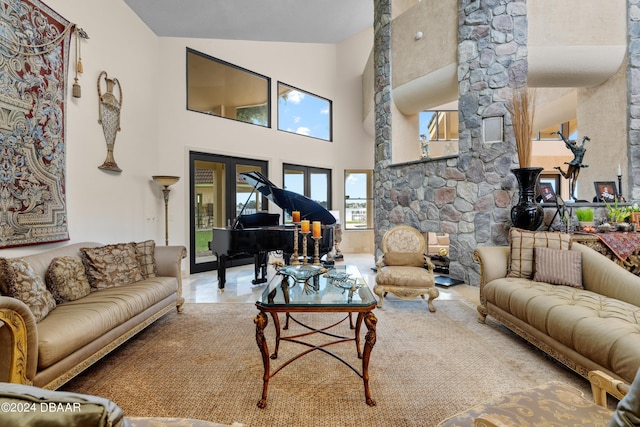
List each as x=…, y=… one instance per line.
x=438, y=133
x=569, y=130
x=304, y=113
x=222, y=89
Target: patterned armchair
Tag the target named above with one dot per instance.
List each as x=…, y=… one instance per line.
x=404, y=269
x=557, y=404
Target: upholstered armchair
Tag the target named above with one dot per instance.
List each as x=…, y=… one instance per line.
x=404, y=269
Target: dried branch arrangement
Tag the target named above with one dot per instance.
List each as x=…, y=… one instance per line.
x=522, y=109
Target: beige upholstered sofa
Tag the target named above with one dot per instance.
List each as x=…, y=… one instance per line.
x=46, y=346
x=592, y=327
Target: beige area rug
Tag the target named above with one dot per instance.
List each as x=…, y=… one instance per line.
x=204, y=363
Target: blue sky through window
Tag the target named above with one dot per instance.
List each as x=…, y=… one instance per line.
x=305, y=114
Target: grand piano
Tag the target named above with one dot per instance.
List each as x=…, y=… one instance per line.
x=260, y=233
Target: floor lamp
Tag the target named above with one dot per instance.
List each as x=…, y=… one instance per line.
x=165, y=182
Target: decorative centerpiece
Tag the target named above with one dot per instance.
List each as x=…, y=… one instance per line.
x=526, y=214
x=585, y=217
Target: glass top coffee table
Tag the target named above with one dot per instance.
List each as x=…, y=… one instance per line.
x=315, y=289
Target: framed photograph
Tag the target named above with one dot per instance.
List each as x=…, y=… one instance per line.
x=635, y=219
x=605, y=191
x=547, y=193
x=548, y=188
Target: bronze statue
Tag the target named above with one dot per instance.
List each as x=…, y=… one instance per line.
x=573, y=170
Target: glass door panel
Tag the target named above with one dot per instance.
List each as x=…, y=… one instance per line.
x=318, y=191
x=209, y=209
x=252, y=201
x=293, y=181
x=217, y=197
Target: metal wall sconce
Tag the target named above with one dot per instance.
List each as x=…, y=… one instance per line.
x=165, y=182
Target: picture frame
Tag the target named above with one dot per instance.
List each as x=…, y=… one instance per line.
x=606, y=191
x=547, y=192
x=635, y=219
x=545, y=181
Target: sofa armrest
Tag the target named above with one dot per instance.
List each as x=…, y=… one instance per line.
x=169, y=260
x=18, y=341
x=601, y=384
x=493, y=260
x=169, y=264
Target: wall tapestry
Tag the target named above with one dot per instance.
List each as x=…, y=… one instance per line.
x=34, y=46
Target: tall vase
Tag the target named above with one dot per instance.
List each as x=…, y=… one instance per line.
x=527, y=214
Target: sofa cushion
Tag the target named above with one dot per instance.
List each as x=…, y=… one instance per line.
x=145, y=251
x=409, y=259
x=75, y=324
x=66, y=279
x=558, y=267
x=111, y=265
x=522, y=244
x=411, y=277
x=24, y=284
x=600, y=328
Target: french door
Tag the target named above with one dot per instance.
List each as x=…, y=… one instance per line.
x=218, y=195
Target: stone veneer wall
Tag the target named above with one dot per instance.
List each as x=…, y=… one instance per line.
x=469, y=197
x=633, y=96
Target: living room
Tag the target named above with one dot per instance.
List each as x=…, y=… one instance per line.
x=157, y=132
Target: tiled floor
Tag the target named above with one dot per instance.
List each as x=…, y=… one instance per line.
x=203, y=287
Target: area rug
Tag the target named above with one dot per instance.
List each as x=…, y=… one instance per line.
x=205, y=364
x=34, y=54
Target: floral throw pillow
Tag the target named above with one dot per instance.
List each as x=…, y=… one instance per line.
x=29, y=288
x=111, y=265
x=146, y=257
x=66, y=279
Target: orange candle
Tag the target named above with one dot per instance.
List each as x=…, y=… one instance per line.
x=316, y=229
x=296, y=216
x=304, y=225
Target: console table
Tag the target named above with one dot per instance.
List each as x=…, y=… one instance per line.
x=621, y=248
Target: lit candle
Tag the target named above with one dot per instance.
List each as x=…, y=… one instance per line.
x=316, y=229
x=304, y=225
x=296, y=216
x=619, y=170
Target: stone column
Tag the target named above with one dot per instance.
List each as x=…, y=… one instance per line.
x=382, y=106
x=492, y=59
x=633, y=97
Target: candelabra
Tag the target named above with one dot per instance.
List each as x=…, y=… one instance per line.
x=316, y=246
x=620, y=198
x=295, y=260
x=304, y=246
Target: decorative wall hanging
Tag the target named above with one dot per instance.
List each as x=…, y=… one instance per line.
x=34, y=47
x=109, y=117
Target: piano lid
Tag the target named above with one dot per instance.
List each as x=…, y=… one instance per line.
x=288, y=200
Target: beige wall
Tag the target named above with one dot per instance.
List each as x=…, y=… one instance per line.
x=157, y=131
x=602, y=115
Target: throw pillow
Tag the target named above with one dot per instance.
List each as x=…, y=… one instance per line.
x=409, y=259
x=29, y=288
x=6, y=277
x=145, y=251
x=522, y=244
x=66, y=279
x=558, y=267
x=111, y=265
